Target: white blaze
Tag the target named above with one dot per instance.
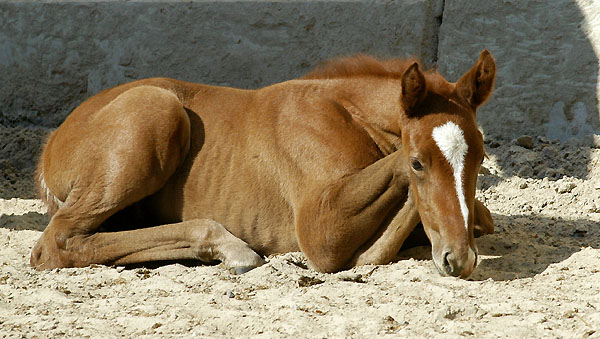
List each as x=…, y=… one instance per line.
x=451, y=141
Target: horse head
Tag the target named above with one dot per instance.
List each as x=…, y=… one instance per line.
x=443, y=150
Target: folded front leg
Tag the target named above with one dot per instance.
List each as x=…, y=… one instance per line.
x=336, y=220
x=385, y=245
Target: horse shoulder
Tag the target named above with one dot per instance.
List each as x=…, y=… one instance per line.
x=314, y=130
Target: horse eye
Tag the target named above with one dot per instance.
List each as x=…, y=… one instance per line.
x=416, y=165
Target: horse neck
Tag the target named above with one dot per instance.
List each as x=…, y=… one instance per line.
x=374, y=104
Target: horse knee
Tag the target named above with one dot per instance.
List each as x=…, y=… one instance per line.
x=328, y=263
x=327, y=248
x=324, y=257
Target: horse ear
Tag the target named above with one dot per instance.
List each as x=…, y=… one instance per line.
x=414, y=87
x=477, y=84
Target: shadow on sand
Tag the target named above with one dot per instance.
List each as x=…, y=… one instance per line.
x=29, y=221
x=522, y=246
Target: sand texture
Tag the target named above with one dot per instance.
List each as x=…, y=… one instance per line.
x=538, y=276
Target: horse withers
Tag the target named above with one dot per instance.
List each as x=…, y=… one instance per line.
x=341, y=164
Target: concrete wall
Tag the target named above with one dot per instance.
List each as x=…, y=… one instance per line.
x=55, y=54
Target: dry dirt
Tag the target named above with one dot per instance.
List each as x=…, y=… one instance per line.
x=538, y=276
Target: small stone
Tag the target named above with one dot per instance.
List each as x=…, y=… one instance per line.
x=566, y=187
x=543, y=140
x=550, y=152
x=229, y=294
x=523, y=186
x=305, y=281
x=353, y=278
x=595, y=142
x=484, y=170
x=525, y=171
x=550, y=174
x=539, y=170
x=494, y=144
x=392, y=325
x=525, y=141
x=446, y=314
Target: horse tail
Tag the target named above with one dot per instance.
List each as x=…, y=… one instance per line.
x=44, y=193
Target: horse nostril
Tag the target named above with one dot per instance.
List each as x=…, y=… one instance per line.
x=451, y=265
x=446, y=262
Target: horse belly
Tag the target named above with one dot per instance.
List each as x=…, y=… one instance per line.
x=232, y=189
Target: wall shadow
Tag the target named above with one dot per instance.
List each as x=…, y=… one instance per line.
x=30, y=221
x=19, y=150
x=543, y=158
x=521, y=247
x=252, y=44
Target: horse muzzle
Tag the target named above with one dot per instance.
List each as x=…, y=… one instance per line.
x=454, y=263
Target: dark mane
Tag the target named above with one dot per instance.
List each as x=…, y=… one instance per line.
x=360, y=66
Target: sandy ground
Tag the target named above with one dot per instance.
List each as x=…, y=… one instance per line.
x=538, y=276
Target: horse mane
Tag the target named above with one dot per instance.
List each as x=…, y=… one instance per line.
x=361, y=66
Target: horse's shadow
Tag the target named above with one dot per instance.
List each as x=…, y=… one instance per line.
x=522, y=245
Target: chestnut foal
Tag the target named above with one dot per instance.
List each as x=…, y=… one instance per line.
x=341, y=164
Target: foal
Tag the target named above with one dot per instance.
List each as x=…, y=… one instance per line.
x=341, y=165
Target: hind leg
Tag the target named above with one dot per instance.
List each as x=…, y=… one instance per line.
x=99, y=162
x=201, y=239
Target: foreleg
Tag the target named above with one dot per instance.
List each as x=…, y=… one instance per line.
x=335, y=221
x=385, y=245
x=484, y=224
